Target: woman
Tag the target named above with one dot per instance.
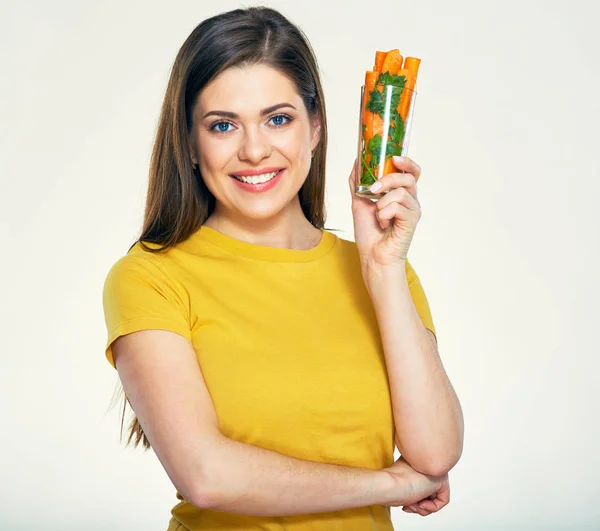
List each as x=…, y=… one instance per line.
x=254, y=345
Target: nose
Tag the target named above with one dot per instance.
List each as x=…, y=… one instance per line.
x=255, y=146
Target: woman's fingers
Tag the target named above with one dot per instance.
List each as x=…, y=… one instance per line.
x=399, y=195
x=391, y=181
x=426, y=507
x=394, y=210
x=415, y=510
x=422, y=512
x=429, y=505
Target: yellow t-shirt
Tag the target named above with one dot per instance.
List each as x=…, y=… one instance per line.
x=289, y=347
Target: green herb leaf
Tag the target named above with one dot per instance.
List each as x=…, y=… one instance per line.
x=367, y=177
x=388, y=79
x=375, y=104
x=374, y=147
x=397, y=133
x=392, y=150
x=395, y=101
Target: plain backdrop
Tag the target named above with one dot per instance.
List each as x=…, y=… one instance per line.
x=506, y=132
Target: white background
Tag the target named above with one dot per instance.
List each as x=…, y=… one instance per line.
x=506, y=132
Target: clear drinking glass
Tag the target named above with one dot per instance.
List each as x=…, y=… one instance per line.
x=385, y=120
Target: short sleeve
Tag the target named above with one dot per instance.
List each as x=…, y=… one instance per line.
x=139, y=294
x=419, y=299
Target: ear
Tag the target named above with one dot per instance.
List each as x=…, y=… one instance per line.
x=316, y=134
x=193, y=157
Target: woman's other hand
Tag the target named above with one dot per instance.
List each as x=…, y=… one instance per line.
x=430, y=493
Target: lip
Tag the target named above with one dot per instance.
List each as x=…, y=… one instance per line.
x=258, y=188
x=259, y=171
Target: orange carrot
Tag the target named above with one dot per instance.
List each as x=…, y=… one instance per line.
x=377, y=124
x=368, y=118
x=402, y=72
x=371, y=77
x=379, y=58
x=392, y=62
x=412, y=65
x=389, y=166
x=370, y=82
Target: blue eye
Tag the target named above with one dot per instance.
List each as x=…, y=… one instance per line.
x=279, y=117
x=221, y=127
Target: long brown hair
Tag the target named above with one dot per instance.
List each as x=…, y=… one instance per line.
x=178, y=202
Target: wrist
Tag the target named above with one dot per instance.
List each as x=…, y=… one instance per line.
x=378, y=278
x=393, y=488
x=376, y=270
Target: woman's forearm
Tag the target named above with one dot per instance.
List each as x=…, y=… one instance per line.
x=246, y=479
x=427, y=413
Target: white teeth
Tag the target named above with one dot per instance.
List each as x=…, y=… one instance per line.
x=257, y=179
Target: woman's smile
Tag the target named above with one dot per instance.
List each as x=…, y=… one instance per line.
x=258, y=183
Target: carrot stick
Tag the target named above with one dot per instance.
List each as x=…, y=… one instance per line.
x=389, y=166
x=368, y=117
x=402, y=72
x=412, y=65
x=379, y=58
x=371, y=78
x=392, y=62
x=370, y=82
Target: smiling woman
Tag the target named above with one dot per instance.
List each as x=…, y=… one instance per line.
x=241, y=329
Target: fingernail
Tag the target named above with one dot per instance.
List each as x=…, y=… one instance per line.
x=421, y=507
x=398, y=159
x=375, y=187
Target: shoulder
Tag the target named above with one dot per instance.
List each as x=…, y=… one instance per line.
x=136, y=260
x=142, y=269
x=139, y=283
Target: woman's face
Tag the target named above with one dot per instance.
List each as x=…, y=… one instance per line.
x=252, y=121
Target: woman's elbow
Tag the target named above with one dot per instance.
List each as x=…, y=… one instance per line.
x=440, y=467
x=430, y=466
x=202, y=491
x=202, y=499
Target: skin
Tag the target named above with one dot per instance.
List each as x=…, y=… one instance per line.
x=284, y=138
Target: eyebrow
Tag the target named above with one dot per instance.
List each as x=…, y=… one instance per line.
x=233, y=115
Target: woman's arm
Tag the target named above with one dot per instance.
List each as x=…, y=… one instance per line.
x=427, y=413
x=246, y=479
x=164, y=384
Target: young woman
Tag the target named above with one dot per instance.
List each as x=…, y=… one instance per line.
x=271, y=365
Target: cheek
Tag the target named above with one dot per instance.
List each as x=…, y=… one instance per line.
x=295, y=146
x=215, y=152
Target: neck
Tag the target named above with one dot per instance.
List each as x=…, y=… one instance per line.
x=288, y=231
